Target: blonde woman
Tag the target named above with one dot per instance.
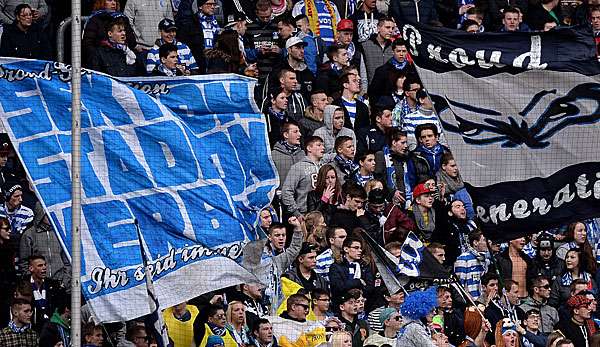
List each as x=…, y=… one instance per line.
x=341, y=339
x=236, y=323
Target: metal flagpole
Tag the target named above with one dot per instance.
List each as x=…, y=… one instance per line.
x=75, y=173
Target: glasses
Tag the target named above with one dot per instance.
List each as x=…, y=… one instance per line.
x=219, y=316
x=331, y=329
x=545, y=286
x=305, y=306
x=26, y=14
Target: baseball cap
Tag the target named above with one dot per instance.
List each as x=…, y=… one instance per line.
x=167, y=24
x=420, y=189
x=294, y=40
x=234, y=18
x=345, y=25
x=386, y=313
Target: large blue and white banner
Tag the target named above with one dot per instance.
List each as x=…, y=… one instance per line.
x=186, y=159
x=521, y=113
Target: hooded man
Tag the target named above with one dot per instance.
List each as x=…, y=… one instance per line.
x=333, y=117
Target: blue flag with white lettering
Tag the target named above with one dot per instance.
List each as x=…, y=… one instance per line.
x=187, y=159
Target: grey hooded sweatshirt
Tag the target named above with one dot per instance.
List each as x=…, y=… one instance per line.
x=326, y=132
x=301, y=179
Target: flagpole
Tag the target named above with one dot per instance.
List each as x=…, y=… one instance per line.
x=75, y=173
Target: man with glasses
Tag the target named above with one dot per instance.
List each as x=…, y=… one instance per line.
x=215, y=325
x=320, y=304
x=530, y=332
x=138, y=336
x=351, y=272
x=348, y=314
x=297, y=308
x=539, y=292
x=409, y=103
x=391, y=320
x=575, y=328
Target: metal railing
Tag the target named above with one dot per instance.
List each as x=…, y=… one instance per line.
x=60, y=37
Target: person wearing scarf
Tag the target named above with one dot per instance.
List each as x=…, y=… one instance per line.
x=19, y=333
x=276, y=114
x=213, y=326
x=453, y=183
x=323, y=17
x=169, y=62
x=208, y=22
x=385, y=76
x=429, y=149
x=423, y=212
x=113, y=56
x=366, y=163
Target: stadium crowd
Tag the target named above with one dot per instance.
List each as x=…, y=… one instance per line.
x=360, y=155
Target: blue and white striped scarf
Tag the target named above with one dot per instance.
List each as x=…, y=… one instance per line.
x=210, y=29
x=567, y=278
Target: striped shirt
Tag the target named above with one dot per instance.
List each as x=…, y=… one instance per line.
x=416, y=118
x=469, y=267
x=325, y=20
x=19, y=219
x=324, y=261
x=350, y=106
x=210, y=30
x=184, y=56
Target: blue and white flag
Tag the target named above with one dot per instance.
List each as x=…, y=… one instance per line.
x=411, y=255
x=188, y=158
x=521, y=113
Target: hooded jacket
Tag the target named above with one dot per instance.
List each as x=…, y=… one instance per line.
x=548, y=314
x=299, y=182
x=284, y=160
x=40, y=239
x=326, y=132
x=309, y=123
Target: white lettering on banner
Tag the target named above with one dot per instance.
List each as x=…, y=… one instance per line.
x=460, y=58
x=520, y=208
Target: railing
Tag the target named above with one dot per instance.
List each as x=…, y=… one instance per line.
x=60, y=37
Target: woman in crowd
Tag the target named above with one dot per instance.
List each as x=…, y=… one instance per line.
x=104, y=12
x=576, y=237
x=341, y=339
x=327, y=194
x=506, y=334
x=226, y=56
x=575, y=268
x=276, y=114
x=24, y=38
x=316, y=226
x=236, y=323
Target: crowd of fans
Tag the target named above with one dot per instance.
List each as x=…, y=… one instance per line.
x=359, y=152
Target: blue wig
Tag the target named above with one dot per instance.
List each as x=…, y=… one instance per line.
x=419, y=303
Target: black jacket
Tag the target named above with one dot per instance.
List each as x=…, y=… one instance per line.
x=573, y=332
x=95, y=32
x=30, y=44
x=413, y=11
x=341, y=281
x=369, y=140
x=113, y=62
x=314, y=203
x=328, y=80
x=189, y=31
x=384, y=81
x=505, y=266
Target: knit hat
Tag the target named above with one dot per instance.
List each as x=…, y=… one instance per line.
x=577, y=301
x=386, y=313
x=214, y=340
x=10, y=188
x=508, y=326
x=419, y=304
x=473, y=322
